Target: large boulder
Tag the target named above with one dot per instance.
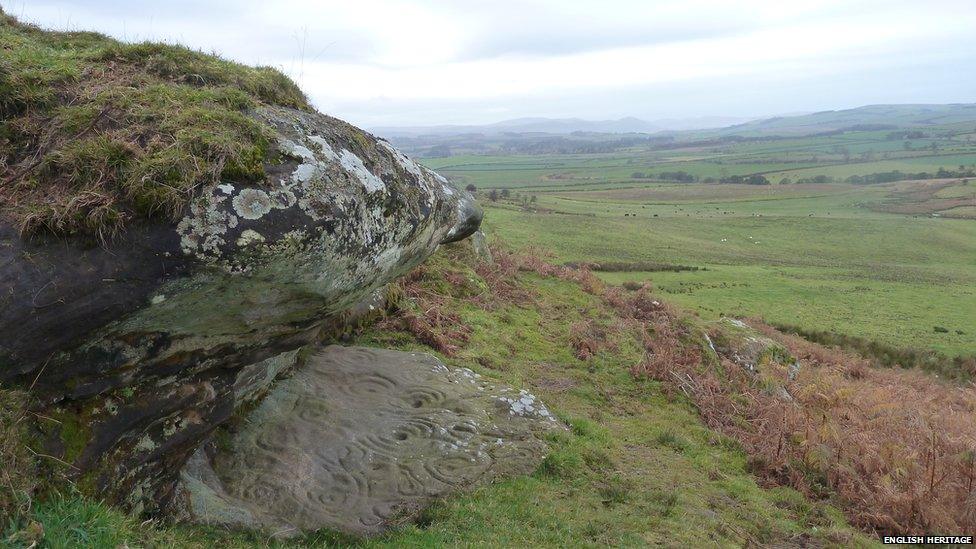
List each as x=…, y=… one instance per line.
x=133, y=348
x=359, y=439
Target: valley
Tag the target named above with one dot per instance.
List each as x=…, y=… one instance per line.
x=893, y=262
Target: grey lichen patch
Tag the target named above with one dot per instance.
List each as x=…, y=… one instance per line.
x=360, y=438
x=252, y=203
x=249, y=237
x=202, y=230
x=324, y=147
x=354, y=165
x=525, y=404
x=403, y=160
x=282, y=198
x=371, y=200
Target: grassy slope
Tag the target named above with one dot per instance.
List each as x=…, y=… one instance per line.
x=638, y=467
x=816, y=258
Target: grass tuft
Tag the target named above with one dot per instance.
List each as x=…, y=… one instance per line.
x=17, y=475
x=96, y=133
x=179, y=64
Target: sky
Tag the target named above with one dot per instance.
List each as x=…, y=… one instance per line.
x=430, y=62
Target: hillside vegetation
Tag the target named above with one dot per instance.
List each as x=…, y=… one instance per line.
x=95, y=133
x=813, y=257
x=637, y=467
x=860, y=234
x=672, y=438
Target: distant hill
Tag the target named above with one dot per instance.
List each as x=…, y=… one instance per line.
x=867, y=117
x=860, y=118
x=562, y=126
x=578, y=136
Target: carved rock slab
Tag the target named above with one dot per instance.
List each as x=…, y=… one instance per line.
x=360, y=439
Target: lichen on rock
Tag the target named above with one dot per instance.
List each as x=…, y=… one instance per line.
x=170, y=313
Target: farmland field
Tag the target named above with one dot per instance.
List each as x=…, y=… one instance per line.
x=893, y=262
x=794, y=158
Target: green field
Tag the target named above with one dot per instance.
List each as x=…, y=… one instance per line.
x=894, y=262
x=837, y=155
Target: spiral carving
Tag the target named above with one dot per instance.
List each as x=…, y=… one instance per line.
x=360, y=438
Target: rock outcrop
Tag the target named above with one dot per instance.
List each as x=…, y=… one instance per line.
x=358, y=439
x=768, y=362
x=137, y=349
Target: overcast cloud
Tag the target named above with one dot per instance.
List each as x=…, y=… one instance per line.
x=425, y=62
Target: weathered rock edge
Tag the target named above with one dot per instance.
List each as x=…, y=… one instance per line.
x=132, y=349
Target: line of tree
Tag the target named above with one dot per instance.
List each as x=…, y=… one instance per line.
x=679, y=176
x=685, y=177
x=906, y=134
x=754, y=179
x=892, y=176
